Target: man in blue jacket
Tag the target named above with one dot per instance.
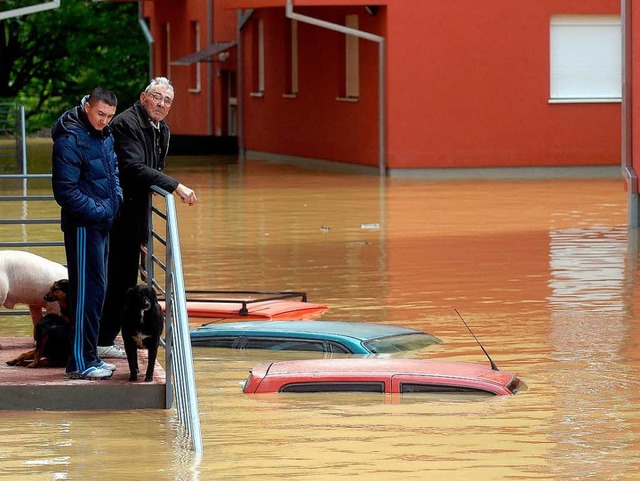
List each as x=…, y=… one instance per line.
x=86, y=186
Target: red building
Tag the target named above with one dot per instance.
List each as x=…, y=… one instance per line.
x=194, y=44
x=398, y=87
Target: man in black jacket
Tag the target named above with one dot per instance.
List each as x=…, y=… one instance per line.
x=141, y=143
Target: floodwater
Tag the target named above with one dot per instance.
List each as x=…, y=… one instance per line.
x=544, y=272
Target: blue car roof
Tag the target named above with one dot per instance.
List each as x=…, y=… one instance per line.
x=361, y=331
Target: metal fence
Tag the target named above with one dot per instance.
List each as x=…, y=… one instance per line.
x=12, y=136
x=180, y=374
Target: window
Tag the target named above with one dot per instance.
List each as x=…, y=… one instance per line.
x=285, y=345
x=194, y=73
x=351, y=61
x=338, y=348
x=403, y=342
x=291, y=59
x=406, y=388
x=164, y=52
x=257, y=59
x=334, y=387
x=586, y=58
x=228, y=342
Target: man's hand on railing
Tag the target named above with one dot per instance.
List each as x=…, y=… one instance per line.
x=187, y=195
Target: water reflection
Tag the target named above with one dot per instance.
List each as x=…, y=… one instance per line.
x=542, y=271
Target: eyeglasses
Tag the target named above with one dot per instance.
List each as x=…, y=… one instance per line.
x=158, y=98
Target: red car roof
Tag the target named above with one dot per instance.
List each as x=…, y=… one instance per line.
x=271, y=377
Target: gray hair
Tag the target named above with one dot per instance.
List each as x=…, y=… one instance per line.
x=164, y=81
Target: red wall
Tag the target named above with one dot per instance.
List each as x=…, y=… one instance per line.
x=467, y=86
x=314, y=124
x=188, y=114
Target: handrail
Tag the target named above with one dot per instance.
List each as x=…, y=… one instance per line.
x=180, y=372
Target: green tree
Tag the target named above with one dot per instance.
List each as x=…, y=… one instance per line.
x=50, y=60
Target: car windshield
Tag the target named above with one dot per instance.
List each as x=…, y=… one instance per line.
x=404, y=342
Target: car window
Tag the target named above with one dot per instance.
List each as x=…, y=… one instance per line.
x=334, y=387
x=339, y=348
x=285, y=345
x=407, y=387
x=228, y=342
x=404, y=342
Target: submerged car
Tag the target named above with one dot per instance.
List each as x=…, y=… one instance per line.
x=320, y=336
x=380, y=375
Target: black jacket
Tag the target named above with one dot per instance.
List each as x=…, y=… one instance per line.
x=141, y=150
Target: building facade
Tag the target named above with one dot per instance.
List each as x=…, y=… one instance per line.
x=398, y=86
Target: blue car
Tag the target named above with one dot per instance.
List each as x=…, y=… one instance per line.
x=318, y=336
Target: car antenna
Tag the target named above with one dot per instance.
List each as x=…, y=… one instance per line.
x=493, y=365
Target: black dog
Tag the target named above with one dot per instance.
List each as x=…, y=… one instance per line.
x=142, y=325
x=53, y=333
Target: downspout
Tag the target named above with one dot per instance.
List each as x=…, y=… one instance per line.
x=382, y=161
x=209, y=69
x=147, y=36
x=627, y=118
x=242, y=20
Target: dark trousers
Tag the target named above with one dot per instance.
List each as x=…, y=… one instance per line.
x=87, y=252
x=124, y=259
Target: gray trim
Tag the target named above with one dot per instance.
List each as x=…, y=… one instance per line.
x=506, y=173
x=309, y=163
x=481, y=173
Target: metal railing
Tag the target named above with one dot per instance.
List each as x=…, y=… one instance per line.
x=180, y=375
x=12, y=135
x=180, y=372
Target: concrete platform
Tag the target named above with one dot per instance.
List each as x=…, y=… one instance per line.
x=47, y=389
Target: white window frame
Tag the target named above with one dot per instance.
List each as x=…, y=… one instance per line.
x=585, y=54
x=197, y=88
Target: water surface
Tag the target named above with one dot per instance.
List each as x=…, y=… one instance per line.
x=545, y=273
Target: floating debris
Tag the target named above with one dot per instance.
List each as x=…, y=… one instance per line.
x=324, y=228
x=373, y=225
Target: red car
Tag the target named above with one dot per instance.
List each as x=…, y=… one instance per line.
x=387, y=376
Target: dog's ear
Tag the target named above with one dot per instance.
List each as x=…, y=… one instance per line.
x=153, y=296
x=64, y=285
x=130, y=295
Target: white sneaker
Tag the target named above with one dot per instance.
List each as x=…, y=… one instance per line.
x=113, y=352
x=106, y=365
x=92, y=373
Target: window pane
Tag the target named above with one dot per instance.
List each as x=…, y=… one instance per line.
x=214, y=342
x=405, y=342
x=435, y=388
x=586, y=57
x=335, y=387
x=285, y=345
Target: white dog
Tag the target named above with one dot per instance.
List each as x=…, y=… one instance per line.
x=25, y=278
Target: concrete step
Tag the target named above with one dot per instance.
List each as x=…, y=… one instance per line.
x=47, y=389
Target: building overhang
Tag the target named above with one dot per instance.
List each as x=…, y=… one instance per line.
x=206, y=54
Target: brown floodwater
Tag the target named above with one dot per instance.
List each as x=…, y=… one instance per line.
x=544, y=272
